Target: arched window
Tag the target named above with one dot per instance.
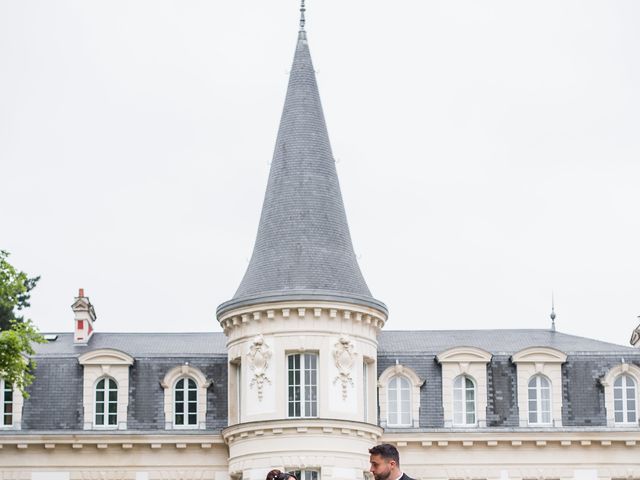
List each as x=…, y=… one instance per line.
x=399, y=402
x=539, y=400
x=106, y=403
x=185, y=398
x=464, y=401
x=6, y=404
x=624, y=399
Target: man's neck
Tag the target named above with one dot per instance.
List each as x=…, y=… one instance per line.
x=397, y=476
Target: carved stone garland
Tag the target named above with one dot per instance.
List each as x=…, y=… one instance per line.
x=259, y=356
x=344, y=358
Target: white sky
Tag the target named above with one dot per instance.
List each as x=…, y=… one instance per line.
x=488, y=152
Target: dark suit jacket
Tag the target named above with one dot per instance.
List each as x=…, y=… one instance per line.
x=405, y=477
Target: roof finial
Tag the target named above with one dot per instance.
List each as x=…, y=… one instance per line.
x=302, y=10
x=553, y=314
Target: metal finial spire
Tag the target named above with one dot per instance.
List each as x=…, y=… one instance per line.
x=302, y=10
x=553, y=314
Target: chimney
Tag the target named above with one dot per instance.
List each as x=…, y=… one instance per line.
x=635, y=337
x=84, y=316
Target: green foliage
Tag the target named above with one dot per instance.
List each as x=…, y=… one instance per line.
x=17, y=335
x=16, y=345
x=15, y=291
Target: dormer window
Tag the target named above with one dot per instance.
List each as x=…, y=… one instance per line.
x=106, y=387
x=399, y=396
x=539, y=371
x=464, y=386
x=625, y=399
x=539, y=400
x=106, y=406
x=621, y=395
x=464, y=401
x=185, y=398
x=399, y=402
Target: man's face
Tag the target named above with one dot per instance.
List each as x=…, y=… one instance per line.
x=381, y=467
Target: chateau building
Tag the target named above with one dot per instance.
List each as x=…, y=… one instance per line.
x=306, y=376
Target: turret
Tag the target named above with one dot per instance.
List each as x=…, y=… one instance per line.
x=302, y=326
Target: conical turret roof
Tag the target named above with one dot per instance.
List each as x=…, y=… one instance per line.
x=303, y=248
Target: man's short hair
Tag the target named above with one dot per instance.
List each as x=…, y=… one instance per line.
x=386, y=451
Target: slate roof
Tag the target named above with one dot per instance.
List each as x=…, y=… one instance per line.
x=140, y=344
x=156, y=353
x=303, y=247
x=419, y=342
x=497, y=342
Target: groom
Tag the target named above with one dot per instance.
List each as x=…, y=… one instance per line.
x=385, y=463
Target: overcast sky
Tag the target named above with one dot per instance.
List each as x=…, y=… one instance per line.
x=488, y=154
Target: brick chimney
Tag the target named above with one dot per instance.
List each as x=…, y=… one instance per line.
x=84, y=316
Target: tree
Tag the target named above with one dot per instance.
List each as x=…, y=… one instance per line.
x=17, y=335
x=15, y=291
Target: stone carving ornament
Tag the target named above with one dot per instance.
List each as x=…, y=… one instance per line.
x=259, y=356
x=344, y=358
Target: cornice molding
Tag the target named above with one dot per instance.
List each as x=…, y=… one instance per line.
x=301, y=426
x=302, y=310
x=516, y=438
x=79, y=440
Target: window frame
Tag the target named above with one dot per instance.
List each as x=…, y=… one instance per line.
x=538, y=388
x=546, y=361
x=169, y=383
x=301, y=474
x=398, y=402
x=4, y=388
x=462, y=401
x=624, y=378
x=314, y=388
x=106, y=412
x=608, y=382
x=383, y=384
x=186, y=401
x=99, y=363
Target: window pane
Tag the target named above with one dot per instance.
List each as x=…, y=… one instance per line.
x=193, y=419
x=179, y=419
x=471, y=418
